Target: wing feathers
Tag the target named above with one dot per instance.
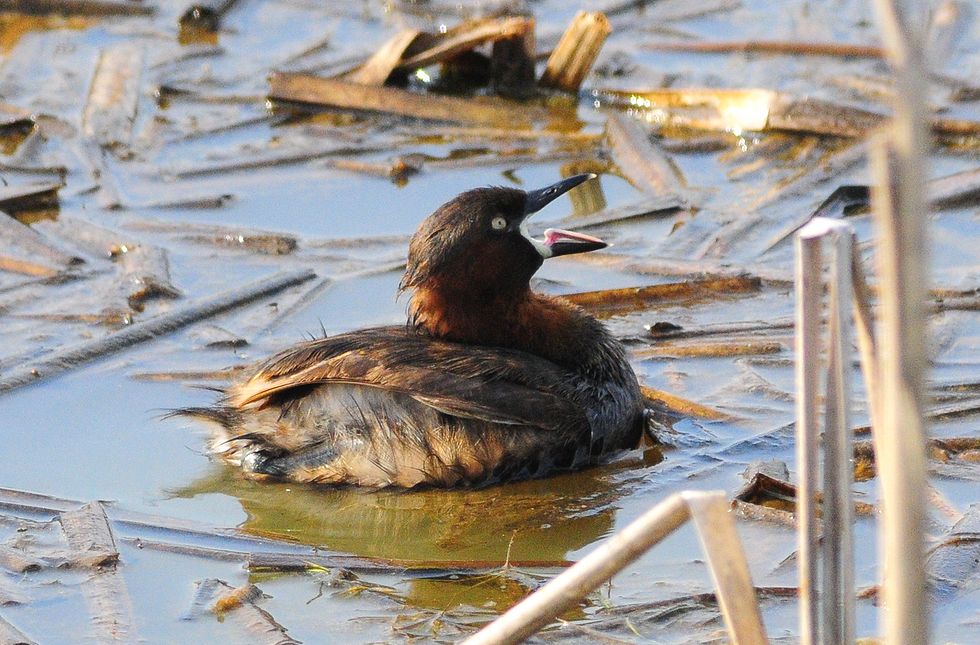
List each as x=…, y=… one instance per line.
x=497, y=385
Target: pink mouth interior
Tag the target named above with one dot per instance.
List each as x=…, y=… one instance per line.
x=553, y=235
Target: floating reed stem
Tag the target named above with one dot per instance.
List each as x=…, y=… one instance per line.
x=68, y=358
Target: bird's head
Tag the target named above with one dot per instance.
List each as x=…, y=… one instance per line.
x=478, y=243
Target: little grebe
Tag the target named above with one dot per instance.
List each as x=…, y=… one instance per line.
x=489, y=381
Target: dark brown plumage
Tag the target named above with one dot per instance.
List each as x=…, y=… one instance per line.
x=489, y=381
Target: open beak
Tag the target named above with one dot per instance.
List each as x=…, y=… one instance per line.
x=566, y=242
x=556, y=241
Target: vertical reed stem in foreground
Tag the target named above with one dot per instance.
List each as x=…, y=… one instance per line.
x=826, y=616
x=808, y=301
x=900, y=442
x=899, y=208
x=837, y=590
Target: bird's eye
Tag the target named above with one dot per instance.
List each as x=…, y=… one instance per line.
x=498, y=223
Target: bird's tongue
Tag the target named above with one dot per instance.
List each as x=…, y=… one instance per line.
x=554, y=235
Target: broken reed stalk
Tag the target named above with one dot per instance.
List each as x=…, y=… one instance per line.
x=844, y=50
x=808, y=299
x=89, y=536
x=683, y=406
x=958, y=189
x=901, y=436
x=738, y=328
x=576, y=52
x=377, y=69
x=304, y=88
x=311, y=294
x=70, y=357
x=99, y=8
x=237, y=607
x=236, y=597
x=24, y=250
x=110, y=110
x=837, y=592
x=14, y=199
x=465, y=38
x=451, y=133
x=713, y=269
x=642, y=163
x=639, y=297
x=226, y=374
x=274, y=160
x=942, y=413
x=410, y=49
x=715, y=525
x=278, y=561
x=826, y=615
x=710, y=350
x=764, y=110
x=91, y=543
x=864, y=328
x=899, y=211
x=12, y=635
x=726, y=561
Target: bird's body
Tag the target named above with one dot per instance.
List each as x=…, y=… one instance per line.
x=488, y=382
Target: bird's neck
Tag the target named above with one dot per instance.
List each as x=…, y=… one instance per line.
x=538, y=324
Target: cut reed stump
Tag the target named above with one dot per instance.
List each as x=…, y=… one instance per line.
x=576, y=52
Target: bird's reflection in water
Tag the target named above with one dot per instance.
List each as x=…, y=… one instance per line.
x=540, y=520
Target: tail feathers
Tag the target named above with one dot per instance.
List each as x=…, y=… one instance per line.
x=244, y=440
x=224, y=422
x=226, y=417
